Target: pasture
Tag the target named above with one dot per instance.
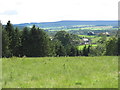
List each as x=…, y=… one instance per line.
x=87, y=36
x=80, y=47
x=60, y=72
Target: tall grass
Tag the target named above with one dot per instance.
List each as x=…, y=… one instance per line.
x=61, y=72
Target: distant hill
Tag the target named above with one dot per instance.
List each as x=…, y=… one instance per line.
x=68, y=23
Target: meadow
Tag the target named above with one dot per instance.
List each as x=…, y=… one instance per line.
x=80, y=47
x=87, y=36
x=60, y=72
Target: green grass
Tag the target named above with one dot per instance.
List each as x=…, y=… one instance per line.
x=60, y=72
x=99, y=28
x=86, y=36
x=82, y=46
x=95, y=39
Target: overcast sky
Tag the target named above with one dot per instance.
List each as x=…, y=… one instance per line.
x=25, y=11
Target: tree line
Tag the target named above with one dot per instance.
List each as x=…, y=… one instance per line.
x=34, y=42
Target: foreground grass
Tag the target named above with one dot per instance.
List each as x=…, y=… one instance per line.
x=61, y=72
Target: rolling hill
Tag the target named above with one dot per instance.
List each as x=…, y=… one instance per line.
x=68, y=23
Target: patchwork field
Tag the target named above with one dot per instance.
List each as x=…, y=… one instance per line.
x=60, y=72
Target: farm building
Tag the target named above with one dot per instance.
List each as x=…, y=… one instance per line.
x=91, y=33
x=86, y=40
x=105, y=33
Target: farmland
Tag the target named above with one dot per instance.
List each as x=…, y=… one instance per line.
x=87, y=36
x=76, y=27
x=60, y=72
x=80, y=47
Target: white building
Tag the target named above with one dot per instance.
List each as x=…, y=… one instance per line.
x=86, y=40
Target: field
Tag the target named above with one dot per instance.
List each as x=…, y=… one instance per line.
x=87, y=36
x=61, y=72
x=82, y=46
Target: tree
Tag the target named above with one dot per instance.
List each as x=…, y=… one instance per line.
x=53, y=49
x=11, y=33
x=88, y=49
x=67, y=42
x=99, y=50
x=112, y=46
x=73, y=51
x=64, y=37
x=5, y=44
x=44, y=43
x=35, y=42
x=61, y=51
x=68, y=50
x=85, y=51
x=25, y=42
x=118, y=45
x=118, y=42
x=39, y=43
x=102, y=40
x=17, y=42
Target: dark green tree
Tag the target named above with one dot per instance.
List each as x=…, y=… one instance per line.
x=118, y=42
x=68, y=50
x=88, y=49
x=25, y=42
x=39, y=43
x=11, y=34
x=73, y=51
x=85, y=51
x=35, y=43
x=44, y=43
x=61, y=51
x=118, y=45
x=5, y=44
x=112, y=46
x=17, y=42
x=52, y=45
x=64, y=37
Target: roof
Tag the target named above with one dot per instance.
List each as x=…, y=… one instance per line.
x=85, y=39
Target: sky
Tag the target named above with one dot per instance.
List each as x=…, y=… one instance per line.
x=26, y=11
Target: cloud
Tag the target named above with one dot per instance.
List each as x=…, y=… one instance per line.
x=23, y=11
x=9, y=12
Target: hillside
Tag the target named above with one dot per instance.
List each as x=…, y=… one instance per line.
x=69, y=23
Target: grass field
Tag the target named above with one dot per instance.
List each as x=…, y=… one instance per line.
x=82, y=46
x=87, y=36
x=60, y=72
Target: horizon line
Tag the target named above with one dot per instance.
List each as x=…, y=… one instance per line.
x=56, y=21
x=65, y=20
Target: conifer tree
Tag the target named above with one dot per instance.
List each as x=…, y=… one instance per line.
x=39, y=43
x=5, y=44
x=25, y=42
x=17, y=42
x=11, y=34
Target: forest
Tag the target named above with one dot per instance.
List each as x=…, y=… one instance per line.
x=35, y=42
